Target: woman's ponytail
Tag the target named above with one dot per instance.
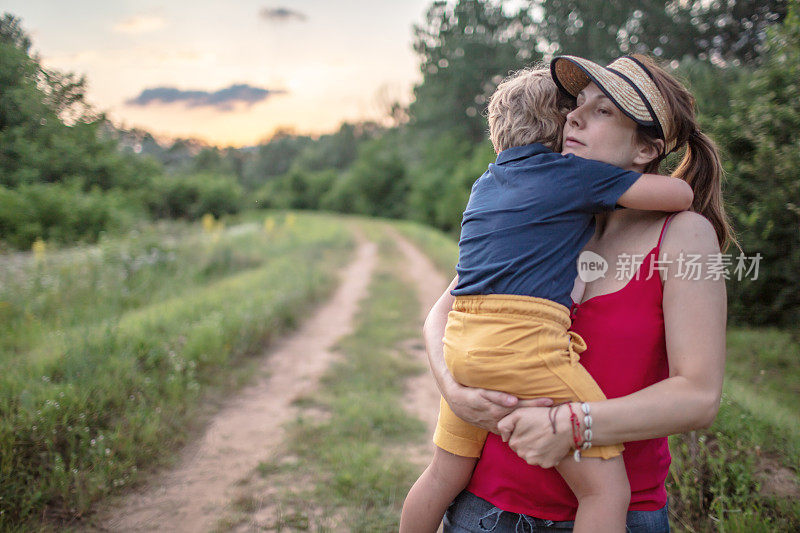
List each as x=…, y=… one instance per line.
x=701, y=168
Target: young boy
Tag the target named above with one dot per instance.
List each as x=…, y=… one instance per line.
x=525, y=223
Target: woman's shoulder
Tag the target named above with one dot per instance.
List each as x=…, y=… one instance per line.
x=690, y=231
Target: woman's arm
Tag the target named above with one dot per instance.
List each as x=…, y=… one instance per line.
x=694, y=318
x=480, y=407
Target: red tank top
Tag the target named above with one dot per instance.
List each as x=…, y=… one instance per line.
x=626, y=352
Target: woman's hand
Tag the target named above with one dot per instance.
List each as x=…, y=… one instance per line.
x=528, y=432
x=480, y=407
x=485, y=408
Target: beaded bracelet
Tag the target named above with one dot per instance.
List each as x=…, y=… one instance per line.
x=587, y=422
x=576, y=428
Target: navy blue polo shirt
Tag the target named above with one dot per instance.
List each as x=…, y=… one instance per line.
x=527, y=219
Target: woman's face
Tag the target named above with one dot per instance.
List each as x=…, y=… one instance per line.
x=597, y=129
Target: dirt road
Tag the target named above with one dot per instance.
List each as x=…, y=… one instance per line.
x=422, y=396
x=193, y=495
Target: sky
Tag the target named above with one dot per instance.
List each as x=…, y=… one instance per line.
x=231, y=73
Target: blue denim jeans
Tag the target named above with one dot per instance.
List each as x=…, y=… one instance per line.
x=470, y=514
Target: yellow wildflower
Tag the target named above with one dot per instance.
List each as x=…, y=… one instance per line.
x=39, y=248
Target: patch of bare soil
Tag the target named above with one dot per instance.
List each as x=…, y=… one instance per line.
x=775, y=479
x=203, y=485
x=277, y=499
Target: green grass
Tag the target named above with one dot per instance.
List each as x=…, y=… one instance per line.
x=73, y=287
x=108, y=352
x=441, y=248
x=354, y=456
x=718, y=477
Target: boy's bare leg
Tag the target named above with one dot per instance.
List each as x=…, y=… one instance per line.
x=603, y=492
x=436, y=488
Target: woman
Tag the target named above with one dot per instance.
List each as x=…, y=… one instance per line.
x=663, y=334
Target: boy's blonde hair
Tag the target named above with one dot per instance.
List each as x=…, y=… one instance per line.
x=526, y=108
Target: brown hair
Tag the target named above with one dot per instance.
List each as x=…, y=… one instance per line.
x=527, y=107
x=701, y=166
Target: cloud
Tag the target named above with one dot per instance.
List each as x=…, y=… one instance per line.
x=281, y=14
x=223, y=100
x=140, y=24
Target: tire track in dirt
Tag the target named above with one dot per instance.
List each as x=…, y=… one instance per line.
x=193, y=495
x=422, y=395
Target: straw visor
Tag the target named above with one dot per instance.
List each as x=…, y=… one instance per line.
x=626, y=82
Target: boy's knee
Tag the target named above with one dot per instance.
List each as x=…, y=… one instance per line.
x=610, y=494
x=612, y=488
x=450, y=469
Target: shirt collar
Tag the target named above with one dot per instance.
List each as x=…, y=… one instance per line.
x=520, y=152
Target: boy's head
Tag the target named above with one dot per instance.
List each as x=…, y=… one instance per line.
x=526, y=108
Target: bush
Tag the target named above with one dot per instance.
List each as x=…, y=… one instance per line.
x=376, y=184
x=193, y=196
x=711, y=476
x=62, y=213
x=441, y=187
x=297, y=189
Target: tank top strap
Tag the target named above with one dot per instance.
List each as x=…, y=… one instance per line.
x=663, y=230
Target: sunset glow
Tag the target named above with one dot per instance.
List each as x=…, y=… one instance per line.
x=231, y=77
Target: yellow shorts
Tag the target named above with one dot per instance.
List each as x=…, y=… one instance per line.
x=516, y=344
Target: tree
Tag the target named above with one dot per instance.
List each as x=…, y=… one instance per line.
x=465, y=50
x=48, y=132
x=722, y=30
x=21, y=102
x=761, y=139
x=376, y=184
x=64, y=93
x=55, y=159
x=335, y=150
x=11, y=33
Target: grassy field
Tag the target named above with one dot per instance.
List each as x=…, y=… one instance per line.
x=742, y=474
x=108, y=351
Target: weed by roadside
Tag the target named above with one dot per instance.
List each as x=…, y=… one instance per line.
x=743, y=474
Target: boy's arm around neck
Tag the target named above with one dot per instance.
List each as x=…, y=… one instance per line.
x=654, y=192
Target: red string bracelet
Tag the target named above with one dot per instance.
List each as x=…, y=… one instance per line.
x=576, y=430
